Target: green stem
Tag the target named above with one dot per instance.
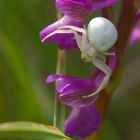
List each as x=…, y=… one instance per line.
x=61, y=65
x=58, y=106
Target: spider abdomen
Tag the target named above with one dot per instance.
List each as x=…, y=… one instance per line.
x=102, y=33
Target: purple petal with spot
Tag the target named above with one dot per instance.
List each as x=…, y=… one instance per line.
x=82, y=122
x=65, y=41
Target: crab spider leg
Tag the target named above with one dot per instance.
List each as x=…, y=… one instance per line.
x=102, y=85
x=77, y=37
x=81, y=30
x=103, y=67
x=84, y=42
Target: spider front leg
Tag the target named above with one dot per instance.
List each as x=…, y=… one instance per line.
x=83, y=46
x=77, y=37
x=104, y=68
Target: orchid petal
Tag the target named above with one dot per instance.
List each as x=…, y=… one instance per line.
x=82, y=122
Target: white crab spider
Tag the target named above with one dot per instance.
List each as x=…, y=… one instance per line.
x=100, y=35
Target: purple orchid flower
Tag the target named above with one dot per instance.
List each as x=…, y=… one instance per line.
x=65, y=41
x=135, y=35
x=71, y=89
x=75, y=11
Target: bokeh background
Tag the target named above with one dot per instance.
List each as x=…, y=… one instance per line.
x=25, y=63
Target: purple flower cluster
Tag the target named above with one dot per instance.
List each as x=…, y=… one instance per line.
x=84, y=118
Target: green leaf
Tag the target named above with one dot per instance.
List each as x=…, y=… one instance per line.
x=23, y=129
x=108, y=132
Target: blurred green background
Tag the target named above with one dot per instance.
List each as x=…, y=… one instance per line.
x=25, y=63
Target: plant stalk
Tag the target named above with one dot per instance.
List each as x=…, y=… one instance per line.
x=59, y=117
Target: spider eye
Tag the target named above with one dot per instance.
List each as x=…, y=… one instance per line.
x=102, y=33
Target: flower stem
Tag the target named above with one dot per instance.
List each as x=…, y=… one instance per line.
x=58, y=106
x=61, y=65
x=125, y=23
x=55, y=111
